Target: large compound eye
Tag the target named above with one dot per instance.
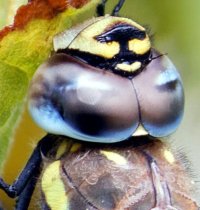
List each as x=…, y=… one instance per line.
x=160, y=96
x=68, y=97
x=106, y=83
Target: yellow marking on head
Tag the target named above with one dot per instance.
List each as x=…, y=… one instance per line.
x=64, y=39
x=115, y=157
x=169, y=156
x=106, y=50
x=139, y=47
x=129, y=67
x=85, y=41
x=140, y=131
x=75, y=147
x=53, y=187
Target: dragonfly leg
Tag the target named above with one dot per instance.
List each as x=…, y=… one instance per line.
x=161, y=189
x=24, y=185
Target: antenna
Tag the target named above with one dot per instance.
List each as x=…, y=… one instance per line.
x=100, y=10
x=117, y=8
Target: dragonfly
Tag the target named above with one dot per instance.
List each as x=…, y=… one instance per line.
x=106, y=98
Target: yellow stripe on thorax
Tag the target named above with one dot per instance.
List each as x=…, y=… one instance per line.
x=115, y=157
x=53, y=187
x=169, y=156
x=75, y=147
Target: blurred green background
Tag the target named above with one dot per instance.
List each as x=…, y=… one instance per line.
x=175, y=26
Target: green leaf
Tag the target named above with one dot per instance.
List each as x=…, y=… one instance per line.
x=22, y=50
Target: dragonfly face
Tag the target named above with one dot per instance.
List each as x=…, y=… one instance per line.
x=106, y=83
x=103, y=85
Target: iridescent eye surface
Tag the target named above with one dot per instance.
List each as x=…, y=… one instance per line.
x=160, y=96
x=71, y=98
x=68, y=97
x=105, y=83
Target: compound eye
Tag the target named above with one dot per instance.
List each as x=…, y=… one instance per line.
x=68, y=97
x=160, y=96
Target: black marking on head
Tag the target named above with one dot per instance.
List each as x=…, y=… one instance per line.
x=121, y=32
x=125, y=56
